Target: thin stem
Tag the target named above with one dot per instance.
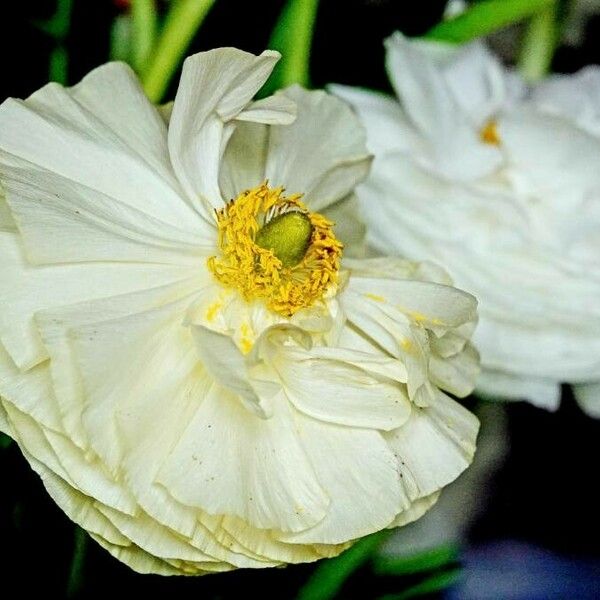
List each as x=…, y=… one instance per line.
x=182, y=22
x=77, y=562
x=486, y=17
x=144, y=25
x=539, y=43
x=292, y=36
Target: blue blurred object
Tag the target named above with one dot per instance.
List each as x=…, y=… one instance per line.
x=514, y=570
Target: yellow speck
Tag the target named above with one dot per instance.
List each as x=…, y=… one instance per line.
x=213, y=310
x=246, y=345
x=420, y=317
x=406, y=344
x=489, y=133
x=375, y=297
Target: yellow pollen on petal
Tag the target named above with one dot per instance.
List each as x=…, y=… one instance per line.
x=213, y=310
x=489, y=133
x=272, y=248
x=375, y=297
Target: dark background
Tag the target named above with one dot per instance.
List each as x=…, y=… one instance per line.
x=546, y=494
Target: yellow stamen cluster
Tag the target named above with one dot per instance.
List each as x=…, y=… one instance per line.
x=257, y=272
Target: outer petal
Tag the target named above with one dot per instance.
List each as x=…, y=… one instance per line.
x=25, y=289
x=229, y=461
x=388, y=128
x=215, y=87
x=361, y=477
x=103, y=134
x=540, y=391
x=435, y=446
x=588, y=397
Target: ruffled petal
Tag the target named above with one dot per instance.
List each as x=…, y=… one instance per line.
x=322, y=154
x=230, y=461
x=103, y=134
x=361, y=477
x=588, y=397
x=340, y=386
x=435, y=446
x=26, y=289
x=215, y=88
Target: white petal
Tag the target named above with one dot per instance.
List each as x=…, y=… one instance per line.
x=388, y=128
x=343, y=386
x=541, y=392
x=430, y=304
x=434, y=446
x=30, y=392
x=349, y=226
x=322, y=154
x=55, y=327
x=274, y=110
x=456, y=374
x=127, y=360
x=416, y=510
x=7, y=223
x=215, y=88
x=64, y=221
x=103, y=134
x=230, y=461
x=138, y=560
x=26, y=289
x=226, y=365
x=588, y=397
x=244, y=160
x=360, y=474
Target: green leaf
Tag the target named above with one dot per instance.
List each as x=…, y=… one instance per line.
x=329, y=577
x=183, y=21
x=486, y=17
x=144, y=24
x=5, y=441
x=292, y=36
x=415, y=563
x=431, y=585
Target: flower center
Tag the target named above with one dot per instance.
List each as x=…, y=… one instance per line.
x=274, y=249
x=489, y=133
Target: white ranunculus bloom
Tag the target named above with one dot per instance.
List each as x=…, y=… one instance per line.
x=183, y=360
x=500, y=184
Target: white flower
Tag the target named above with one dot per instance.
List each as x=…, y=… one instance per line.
x=183, y=361
x=500, y=184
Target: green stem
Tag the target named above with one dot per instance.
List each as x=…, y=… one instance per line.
x=330, y=575
x=77, y=562
x=486, y=17
x=182, y=22
x=292, y=36
x=539, y=43
x=144, y=24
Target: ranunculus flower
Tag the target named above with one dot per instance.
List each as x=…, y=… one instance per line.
x=185, y=361
x=500, y=184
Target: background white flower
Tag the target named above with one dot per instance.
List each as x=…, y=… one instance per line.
x=187, y=427
x=500, y=184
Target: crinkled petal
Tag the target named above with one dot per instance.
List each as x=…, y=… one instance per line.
x=327, y=140
x=435, y=446
x=215, y=87
x=103, y=134
x=230, y=461
x=361, y=476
